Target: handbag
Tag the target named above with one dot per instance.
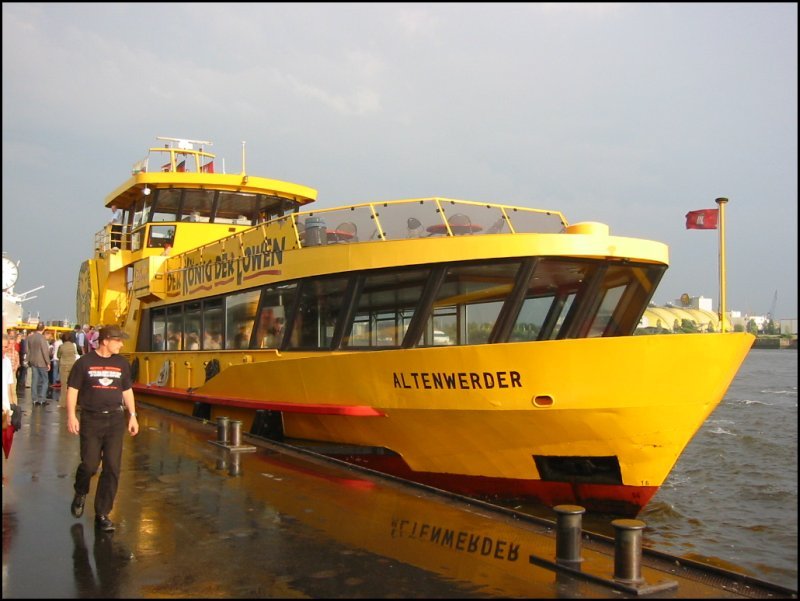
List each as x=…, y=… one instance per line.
x=16, y=417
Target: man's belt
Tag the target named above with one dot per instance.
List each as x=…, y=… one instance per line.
x=107, y=411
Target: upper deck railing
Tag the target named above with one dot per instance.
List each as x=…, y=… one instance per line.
x=376, y=221
x=177, y=156
x=421, y=218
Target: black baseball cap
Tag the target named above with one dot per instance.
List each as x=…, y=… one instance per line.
x=111, y=332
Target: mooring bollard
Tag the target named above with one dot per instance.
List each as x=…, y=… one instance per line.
x=628, y=550
x=222, y=459
x=235, y=465
x=236, y=433
x=222, y=430
x=568, y=534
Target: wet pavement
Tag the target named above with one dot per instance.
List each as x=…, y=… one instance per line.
x=195, y=520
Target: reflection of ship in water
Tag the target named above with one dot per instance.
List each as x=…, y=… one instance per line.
x=288, y=525
x=337, y=523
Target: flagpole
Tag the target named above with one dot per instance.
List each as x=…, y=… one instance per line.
x=721, y=202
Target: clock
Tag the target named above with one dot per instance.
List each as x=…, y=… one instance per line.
x=10, y=273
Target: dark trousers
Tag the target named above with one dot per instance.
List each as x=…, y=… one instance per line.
x=101, y=441
x=22, y=374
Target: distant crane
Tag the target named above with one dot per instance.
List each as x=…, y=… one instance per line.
x=771, y=314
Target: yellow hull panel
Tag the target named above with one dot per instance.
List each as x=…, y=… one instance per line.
x=486, y=410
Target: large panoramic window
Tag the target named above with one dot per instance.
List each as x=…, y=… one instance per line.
x=236, y=208
x=468, y=303
x=385, y=305
x=240, y=313
x=485, y=302
x=213, y=324
x=167, y=205
x=174, y=336
x=271, y=323
x=318, y=309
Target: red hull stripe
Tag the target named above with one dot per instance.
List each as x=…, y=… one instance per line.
x=181, y=394
x=602, y=498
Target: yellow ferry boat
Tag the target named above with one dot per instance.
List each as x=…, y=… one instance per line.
x=481, y=348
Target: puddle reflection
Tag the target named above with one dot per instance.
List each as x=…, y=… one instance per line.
x=109, y=574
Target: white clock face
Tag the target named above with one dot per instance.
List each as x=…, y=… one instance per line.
x=9, y=273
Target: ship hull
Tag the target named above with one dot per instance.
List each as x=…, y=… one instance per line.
x=598, y=422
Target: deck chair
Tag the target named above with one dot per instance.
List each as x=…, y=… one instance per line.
x=497, y=226
x=460, y=224
x=415, y=229
x=345, y=232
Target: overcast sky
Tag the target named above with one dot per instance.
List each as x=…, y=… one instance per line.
x=627, y=114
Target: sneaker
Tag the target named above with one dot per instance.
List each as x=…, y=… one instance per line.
x=77, y=505
x=102, y=522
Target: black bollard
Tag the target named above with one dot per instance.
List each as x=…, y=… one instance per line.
x=235, y=466
x=568, y=534
x=236, y=433
x=222, y=430
x=628, y=550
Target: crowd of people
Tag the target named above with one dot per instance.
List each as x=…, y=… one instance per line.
x=49, y=357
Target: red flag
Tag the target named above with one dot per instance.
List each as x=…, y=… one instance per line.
x=208, y=167
x=705, y=219
x=181, y=166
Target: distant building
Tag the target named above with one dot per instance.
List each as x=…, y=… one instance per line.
x=789, y=326
x=699, y=310
x=671, y=318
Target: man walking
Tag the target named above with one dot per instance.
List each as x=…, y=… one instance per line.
x=39, y=362
x=101, y=382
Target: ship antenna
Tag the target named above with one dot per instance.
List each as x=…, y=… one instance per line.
x=244, y=156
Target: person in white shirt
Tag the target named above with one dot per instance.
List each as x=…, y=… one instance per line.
x=54, y=362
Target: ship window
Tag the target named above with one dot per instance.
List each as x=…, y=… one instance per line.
x=531, y=318
x=192, y=325
x=197, y=205
x=318, y=308
x=639, y=283
x=236, y=208
x=147, y=206
x=581, y=298
x=159, y=329
x=384, y=308
x=602, y=318
x=161, y=236
x=138, y=213
x=213, y=324
x=468, y=303
x=174, y=335
x=240, y=314
x=272, y=315
x=271, y=207
x=167, y=205
x=549, y=298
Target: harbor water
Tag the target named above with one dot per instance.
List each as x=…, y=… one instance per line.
x=731, y=500
x=733, y=493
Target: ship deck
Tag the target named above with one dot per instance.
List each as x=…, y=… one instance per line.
x=195, y=519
